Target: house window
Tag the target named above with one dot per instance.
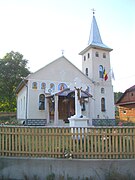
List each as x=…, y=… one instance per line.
x=86, y=71
x=41, y=102
x=104, y=55
x=124, y=112
x=100, y=71
x=103, y=104
x=34, y=85
x=88, y=55
x=102, y=90
x=132, y=94
x=97, y=54
x=84, y=58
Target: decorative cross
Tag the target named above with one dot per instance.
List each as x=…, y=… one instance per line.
x=62, y=52
x=93, y=10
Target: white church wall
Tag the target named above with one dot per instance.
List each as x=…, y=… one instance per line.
x=21, y=103
x=109, y=103
x=33, y=106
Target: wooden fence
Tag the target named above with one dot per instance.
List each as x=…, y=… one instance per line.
x=62, y=142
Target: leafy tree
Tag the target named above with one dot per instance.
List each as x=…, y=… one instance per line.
x=12, y=69
x=117, y=95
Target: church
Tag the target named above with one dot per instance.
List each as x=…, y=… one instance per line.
x=48, y=95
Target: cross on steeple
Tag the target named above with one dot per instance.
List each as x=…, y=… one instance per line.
x=62, y=51
x=93, y=10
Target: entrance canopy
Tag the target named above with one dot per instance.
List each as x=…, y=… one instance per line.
x=71, y=93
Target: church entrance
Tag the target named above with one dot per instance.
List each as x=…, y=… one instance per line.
x=65, y=104
x=66, y=107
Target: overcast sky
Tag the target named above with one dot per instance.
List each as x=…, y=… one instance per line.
x=40, y=29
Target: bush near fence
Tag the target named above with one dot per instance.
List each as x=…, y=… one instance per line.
x=7, y=115
x=67, y=142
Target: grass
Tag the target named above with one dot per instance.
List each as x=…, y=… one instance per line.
x=108, y=175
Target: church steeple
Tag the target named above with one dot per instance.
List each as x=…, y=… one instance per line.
x=95, y=40
x=95, y=37
x=95, y=65
x=94, y=33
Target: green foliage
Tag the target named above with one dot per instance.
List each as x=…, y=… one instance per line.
x=116, y=175
x=12, y=69
x=50, y=177
x=117, y=96
x=124, y=123
x=9, y=121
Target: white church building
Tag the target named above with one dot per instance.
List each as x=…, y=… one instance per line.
x=48, y=95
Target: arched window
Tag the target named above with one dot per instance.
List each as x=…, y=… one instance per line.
x=88, y=55
x=41, y=102
x=86, y=71
x=34, y=85
x=62, y=86
x=97, y=54
x=52, y=88
x=43, y=85
x=103, y=104
x=102, y=90
x=84, y=58
x=101, y=71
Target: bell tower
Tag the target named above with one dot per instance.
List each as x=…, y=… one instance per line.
x=96, y=65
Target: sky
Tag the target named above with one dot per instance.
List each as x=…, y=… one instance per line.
x=41, y=29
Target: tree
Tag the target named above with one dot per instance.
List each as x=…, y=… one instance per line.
x=117, y=95
x=12, y=69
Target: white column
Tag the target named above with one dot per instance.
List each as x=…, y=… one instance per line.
x=56, y=110
x=48, y=110
x=77, y=102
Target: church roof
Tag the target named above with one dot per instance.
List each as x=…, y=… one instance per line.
x=95, y=40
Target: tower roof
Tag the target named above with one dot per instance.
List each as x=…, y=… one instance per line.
x=95, y=38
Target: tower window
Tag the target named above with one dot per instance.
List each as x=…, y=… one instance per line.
x=103, y=104
x=102, y=90
x=104, y=55
x=86, y=71
x=97, y=54
x=100, y=71
x=84, y=58
x=88, y=55
x=41, y=102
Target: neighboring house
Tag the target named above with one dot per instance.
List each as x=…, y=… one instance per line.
x=126, y=105
x=48, y=94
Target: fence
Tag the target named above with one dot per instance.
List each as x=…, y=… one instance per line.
x=61, y=142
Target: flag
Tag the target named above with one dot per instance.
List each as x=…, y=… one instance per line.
x=112, y=74
x=105, y=76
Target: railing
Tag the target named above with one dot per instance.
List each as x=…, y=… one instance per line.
x=61, y=142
